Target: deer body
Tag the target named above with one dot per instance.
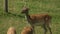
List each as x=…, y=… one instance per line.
x=27, y=30
x=38, y=19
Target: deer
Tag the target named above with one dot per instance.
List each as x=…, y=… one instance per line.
x=27, y=30
x=11, y=30
x=42, y=20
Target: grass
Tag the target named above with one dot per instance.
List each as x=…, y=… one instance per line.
x=52, y=7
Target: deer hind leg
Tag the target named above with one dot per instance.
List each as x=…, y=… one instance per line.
x=48, y=26
x=45, y=29
x=47, y=22
x=49, y=29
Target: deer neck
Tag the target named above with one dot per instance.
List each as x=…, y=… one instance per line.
x=28, y=19
x=28, y=16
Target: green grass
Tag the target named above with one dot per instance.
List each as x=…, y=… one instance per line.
x=52, y=7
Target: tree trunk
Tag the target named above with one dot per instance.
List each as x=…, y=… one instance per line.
x=6, y=6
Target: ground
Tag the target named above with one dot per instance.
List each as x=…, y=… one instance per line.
x=52, y=7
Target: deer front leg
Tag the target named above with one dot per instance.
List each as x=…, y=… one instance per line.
x=33, y=30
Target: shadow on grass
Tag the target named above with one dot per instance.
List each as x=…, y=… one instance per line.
x=8, y=14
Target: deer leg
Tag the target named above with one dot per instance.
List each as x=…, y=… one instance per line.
x=49, y=29
x=33, y=29
x=47, y=25
x=45, y=29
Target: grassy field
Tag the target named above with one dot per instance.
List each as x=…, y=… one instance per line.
x=52, y=7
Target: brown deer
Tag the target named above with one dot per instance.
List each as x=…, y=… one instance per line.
x=27, y=30
x=38, y=19
x=11, y=30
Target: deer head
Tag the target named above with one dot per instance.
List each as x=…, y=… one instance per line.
x=25, y=10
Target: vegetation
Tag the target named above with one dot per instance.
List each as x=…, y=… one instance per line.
x=16, y=19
